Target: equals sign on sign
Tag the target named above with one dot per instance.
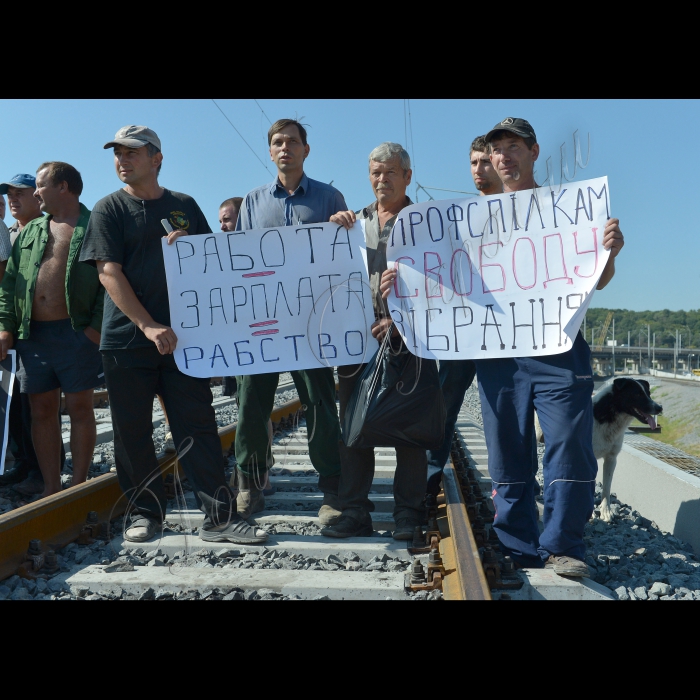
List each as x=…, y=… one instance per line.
x=268, y=331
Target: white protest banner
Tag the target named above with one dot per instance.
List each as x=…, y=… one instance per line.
x=288, y=298
x=8, y=368
x=498, y=276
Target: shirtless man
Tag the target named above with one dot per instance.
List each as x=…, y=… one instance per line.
x=51, y=309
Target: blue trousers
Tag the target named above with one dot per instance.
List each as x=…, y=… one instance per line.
x=559, y=387
x=456, y=377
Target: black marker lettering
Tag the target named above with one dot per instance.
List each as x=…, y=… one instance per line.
x=192, y=306
x=495, y=324
x=213, y=306
x=192, y=359
x=278, y=255
x=215, y=253
x=524, y=325
x=180, y=257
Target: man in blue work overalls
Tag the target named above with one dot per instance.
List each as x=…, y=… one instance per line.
x=559, y=387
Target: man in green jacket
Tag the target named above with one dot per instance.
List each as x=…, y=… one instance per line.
x=51, y=309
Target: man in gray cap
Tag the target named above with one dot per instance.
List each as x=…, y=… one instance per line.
x=123, y=240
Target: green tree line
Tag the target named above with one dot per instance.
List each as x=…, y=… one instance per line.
x=663, y=323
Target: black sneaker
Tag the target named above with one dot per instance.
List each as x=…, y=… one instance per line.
x=237, y=531
x=405, y=527
x=14, y=475
x=347, y=526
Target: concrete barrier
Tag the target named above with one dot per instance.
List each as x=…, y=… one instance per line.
x=667, y=495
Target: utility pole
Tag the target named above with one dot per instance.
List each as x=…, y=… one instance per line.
x=675, y=354
x=613, y=347
x=648, y=345
x=653, y=352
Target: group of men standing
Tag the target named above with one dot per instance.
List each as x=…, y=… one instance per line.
x=53, y=306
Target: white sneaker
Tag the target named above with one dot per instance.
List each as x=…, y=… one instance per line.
x=169, y=445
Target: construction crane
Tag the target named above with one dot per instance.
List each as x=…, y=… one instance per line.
x=604, y=332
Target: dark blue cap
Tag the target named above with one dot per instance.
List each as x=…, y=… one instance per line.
x=21, y=180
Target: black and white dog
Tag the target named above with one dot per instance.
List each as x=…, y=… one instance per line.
x=614, y=408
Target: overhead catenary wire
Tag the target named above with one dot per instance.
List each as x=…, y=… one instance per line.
x=413, y=148
x=263, y=111
x=425, y=188
x=241, y=135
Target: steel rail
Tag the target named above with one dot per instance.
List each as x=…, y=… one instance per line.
x=465, y=579
x=58, y=519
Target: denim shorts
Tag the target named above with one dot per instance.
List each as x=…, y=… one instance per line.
x=55, y=356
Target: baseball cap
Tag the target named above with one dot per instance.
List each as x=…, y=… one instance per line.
x=21, y=180
x=134, y=137
x=520, y=127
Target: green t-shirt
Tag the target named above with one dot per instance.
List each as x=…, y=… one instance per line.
x=127, y=230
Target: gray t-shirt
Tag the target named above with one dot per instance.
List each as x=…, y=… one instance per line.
x=127, y=230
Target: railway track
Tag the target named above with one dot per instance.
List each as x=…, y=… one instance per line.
x=295, y=562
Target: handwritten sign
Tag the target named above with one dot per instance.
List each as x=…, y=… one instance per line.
x=8, y=367
x=288, y=298
x=498, y=276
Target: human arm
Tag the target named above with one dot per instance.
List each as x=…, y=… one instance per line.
x=8, y=312
x=387, y=281
x=174, y=235
x=3, y=266
x=613, y=240
x=380, y=328
x=94, y=330
x=122, y=294
x=344, y=218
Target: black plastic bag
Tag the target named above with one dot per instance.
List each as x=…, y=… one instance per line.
x=397, y=402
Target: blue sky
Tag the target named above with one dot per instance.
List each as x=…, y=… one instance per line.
x=204, y=157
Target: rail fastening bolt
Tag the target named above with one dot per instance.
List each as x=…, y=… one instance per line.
x=417, y=573
x=434, y=557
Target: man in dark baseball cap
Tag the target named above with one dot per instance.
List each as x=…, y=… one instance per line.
x=21, y=181
x=517, y=126
x=560, y=386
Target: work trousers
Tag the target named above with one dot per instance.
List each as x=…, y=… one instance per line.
x=133, y=378
x=256, y=397
x=357, y=467
x=559, y=387
x=456, y=377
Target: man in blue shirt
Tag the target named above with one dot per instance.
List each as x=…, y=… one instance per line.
x=292, y=199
